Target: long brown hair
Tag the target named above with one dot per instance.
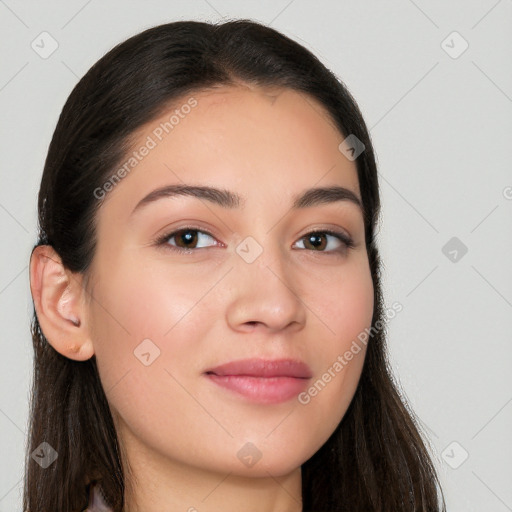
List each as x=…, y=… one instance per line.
x=376, y=459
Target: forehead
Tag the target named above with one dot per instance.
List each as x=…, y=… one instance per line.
x=244, y=138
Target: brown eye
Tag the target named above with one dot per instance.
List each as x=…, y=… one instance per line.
x=185, y=239
x=319, y=241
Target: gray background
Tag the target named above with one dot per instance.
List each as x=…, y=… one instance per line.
x=441, y=122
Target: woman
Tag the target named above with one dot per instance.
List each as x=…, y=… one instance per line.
x=208, y=317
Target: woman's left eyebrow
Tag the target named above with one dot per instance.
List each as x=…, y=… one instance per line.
x=228, y=199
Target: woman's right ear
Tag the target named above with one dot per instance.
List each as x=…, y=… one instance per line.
x=58, y=296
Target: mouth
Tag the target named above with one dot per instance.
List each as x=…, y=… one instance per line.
x=262, y=381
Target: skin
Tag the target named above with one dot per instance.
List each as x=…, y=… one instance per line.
x=179, y=432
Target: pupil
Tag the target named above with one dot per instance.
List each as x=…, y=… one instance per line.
x=315, y=240
x=187, y=237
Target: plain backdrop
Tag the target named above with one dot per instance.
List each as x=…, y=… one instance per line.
x=434, y=82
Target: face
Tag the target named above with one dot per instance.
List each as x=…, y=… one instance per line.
x=183, y=285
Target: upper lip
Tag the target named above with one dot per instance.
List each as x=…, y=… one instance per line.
x=264, y=368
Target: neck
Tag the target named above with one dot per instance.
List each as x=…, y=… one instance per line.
x=154, y=483
x=199, y=491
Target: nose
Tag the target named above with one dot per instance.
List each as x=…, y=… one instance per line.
x=264, y=295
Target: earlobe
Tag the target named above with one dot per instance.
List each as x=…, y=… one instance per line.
x=58, y=300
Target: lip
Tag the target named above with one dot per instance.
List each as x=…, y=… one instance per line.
x=261, y=380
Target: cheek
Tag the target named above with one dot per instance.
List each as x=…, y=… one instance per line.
x=345, y=304
x=137, y=317
x=141, y=302
x=147, y=332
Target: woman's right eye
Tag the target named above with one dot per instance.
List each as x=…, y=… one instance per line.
x=186, y=239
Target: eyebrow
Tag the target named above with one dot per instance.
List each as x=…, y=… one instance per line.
x=227, y=199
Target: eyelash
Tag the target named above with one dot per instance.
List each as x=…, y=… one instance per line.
x=347, y=242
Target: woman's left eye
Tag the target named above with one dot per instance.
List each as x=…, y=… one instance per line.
x=187, y=239
x=320, y=243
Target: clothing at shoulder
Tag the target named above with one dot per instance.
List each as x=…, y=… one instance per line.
x=96, y=500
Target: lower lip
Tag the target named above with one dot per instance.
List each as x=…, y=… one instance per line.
x=268, y=390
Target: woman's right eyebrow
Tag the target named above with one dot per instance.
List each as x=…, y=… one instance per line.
x=228, y=199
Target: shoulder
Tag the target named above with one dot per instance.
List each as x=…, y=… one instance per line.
x=96, y=500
